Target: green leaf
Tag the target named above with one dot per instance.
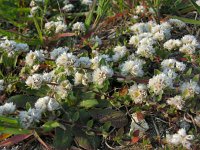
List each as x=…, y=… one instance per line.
x=89, y=17
x=107, y=126
x=9, y=61
x=28, y=105
x=63, y=138
x=89, y=103
x=117, y=118
x=188, y=73
x=197, y=7
x=48, y=126
x=75, y=116
x=14, y=130
x=88, y=142
x=90, y=123
x=9, y=120
x=156, y=72
x=21, y=100
x=38, y=30
x=196, y=78
x=187, y=20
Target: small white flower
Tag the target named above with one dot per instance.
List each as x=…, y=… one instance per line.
x=146, y=51
x=180, y=138
x=49, y=25
x=101, y=74
x=176, y=101
x=140, y=9
x=177, y=23
x=160, y=82
x=60, y=27
x=134, y=40
x=34, y=10
x=138, y=93
x=190, y=39
x=96, y=60
x=82, y=78
x=188, y=49
x=189, y=89
x=68, y=8
x=47, y=77
x=120, y=51
x=11, y=46
x=41, y=103
x=83, y=62
x=139, y=28
x=7, y=108
x=1, y=85
x=133, y=67
x=63, y=89
x=173, y=64
x=97, y=40
x=58, y=51
x=198, y=2
x=53, y=105
x=170, y=73
x=27, y=118
x=34, y=81
x=66, y=59
x=172, y=44
x=79, y=26
x=87, y=2
x=32, y=57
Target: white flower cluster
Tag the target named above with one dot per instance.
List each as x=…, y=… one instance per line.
x=96, y=40
x=133, y=67
x=79, y=26
x=27, y=118
x=87, y=2
x=147, y=35
x=101, y=74
x=177, y=23
x=173, y=64
x=189, y=89
x=180, y=137
x=138, y=93
x=190, y=44
x=198, y=2
x=187, y=44
x=7, y=108
x=62, y=90
x=140, y=9
x=46, y=103
x=1, y=85
x=68, y=7
x=66, y=60
x=11, y=46
x=119, y=52
x=33, y=57
x=172, y=44
x=81, y=78
x=176, y=101
x=83, y=62
x=34, y=10
x=160, y=82
x=34, y=81
x=58, y=51
x=57, y=27
x=97, y=59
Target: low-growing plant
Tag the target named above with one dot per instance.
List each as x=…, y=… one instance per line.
x=74, y=91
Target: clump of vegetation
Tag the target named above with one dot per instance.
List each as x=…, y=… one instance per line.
x=99, y=74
